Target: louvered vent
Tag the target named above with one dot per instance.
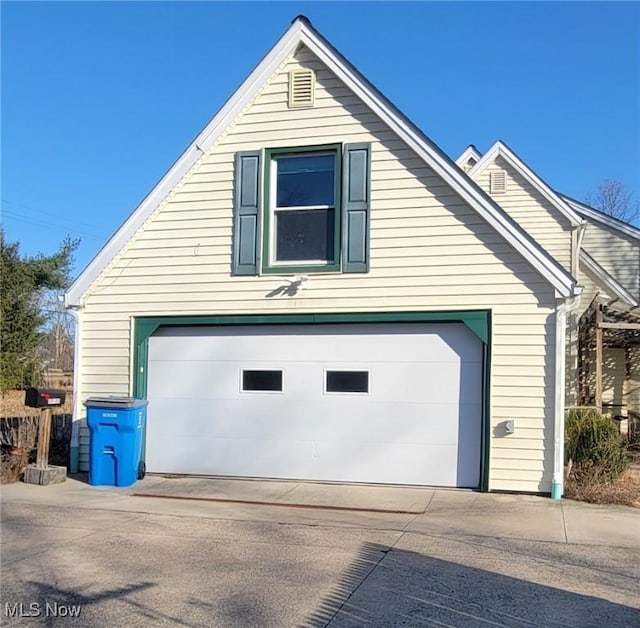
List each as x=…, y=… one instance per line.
x=301, y=87
x=498, y=182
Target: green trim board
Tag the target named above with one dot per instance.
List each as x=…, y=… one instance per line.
x=486, y=406
x=267, y=267
x=478, y=321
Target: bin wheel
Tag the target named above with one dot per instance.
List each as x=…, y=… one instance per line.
x=142, y=470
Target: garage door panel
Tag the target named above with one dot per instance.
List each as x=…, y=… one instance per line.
x=438, y=343
x=213, y=380
x=419, y=423
x=403, y=463
x=404, y=422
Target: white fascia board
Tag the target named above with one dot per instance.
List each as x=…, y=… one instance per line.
x=74, y=295
x=607, y=281
x=206, y=138
x=562, y=281
x=298, y=33
x=593, y=214
x=469, y=153
x=500, y=149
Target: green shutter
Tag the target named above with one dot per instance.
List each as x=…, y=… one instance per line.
x=356, y=192
x=246, y=212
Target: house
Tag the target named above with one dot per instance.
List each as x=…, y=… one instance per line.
x=602, y=253
x=314, y=290
x=609, y=323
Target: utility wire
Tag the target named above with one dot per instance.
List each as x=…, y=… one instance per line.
x=12, y=216
x=47, y=213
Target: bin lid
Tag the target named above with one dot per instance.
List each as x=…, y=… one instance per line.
x=115, y=402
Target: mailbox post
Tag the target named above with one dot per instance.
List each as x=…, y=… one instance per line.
x=42, y=473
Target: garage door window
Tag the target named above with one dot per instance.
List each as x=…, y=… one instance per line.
x=347, y=382
x=261, y=381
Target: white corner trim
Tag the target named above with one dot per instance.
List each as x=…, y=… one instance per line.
x=298, y=33
x=470, y=152
x=500, y=149
x=607, y=281
x=589, y=212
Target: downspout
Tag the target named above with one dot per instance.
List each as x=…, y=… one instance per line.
x=563, y=308
x=74, y=453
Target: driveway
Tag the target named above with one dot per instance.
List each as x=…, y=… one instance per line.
x=467, y=559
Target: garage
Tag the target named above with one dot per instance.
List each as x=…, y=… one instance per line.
x=396, y=403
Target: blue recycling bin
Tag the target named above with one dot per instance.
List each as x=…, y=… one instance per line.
x=117, y=426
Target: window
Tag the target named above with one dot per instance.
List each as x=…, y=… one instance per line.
x=261, y=381
x=299, y=210
x=303, y=218
x=347, y=381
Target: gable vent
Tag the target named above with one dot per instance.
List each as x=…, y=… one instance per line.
x=498, y=183
x=301, y=87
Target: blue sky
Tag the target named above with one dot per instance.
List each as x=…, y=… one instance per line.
x=99, y=99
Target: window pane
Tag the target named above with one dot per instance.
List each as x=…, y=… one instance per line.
x=305, y=234
x=262, y=380
x=306, y=180
x=348, y=381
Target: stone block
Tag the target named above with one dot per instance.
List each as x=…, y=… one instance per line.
x=49, y=475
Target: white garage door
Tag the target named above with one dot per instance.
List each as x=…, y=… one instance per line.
x=384, y=403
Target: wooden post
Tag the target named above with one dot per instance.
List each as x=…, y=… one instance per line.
x=44, y=435
x=599, y=358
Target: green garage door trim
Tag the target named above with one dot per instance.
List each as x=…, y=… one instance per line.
x=478, y=321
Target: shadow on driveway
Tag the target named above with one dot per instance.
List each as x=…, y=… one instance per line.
x=394, y=587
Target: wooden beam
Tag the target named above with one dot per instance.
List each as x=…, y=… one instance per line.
x=629, y=326
x=44, y=435
x=599, y=356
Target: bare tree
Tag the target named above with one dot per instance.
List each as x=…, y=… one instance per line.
x=56, y=348
x=613, y=198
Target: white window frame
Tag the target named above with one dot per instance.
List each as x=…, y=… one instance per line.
x=273, y=195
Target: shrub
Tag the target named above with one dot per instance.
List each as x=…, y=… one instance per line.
x=19, y=432
x=594, y=448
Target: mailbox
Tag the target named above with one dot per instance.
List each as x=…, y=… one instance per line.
x=43, y=397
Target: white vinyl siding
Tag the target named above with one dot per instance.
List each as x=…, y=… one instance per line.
x=430, y=251
x=617, y=253
x=590, y=289
x=531, y=210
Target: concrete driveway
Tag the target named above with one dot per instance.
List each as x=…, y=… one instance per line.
x=461, y=559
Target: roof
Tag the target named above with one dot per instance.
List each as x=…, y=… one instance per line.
x=500, y=149
x=607, y=281
x=470, y=152
x=593, y=214
x=301, y=32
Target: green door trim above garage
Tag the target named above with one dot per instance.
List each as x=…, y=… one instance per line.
x=478, y=321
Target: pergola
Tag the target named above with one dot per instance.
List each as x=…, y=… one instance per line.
x=606, y=325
